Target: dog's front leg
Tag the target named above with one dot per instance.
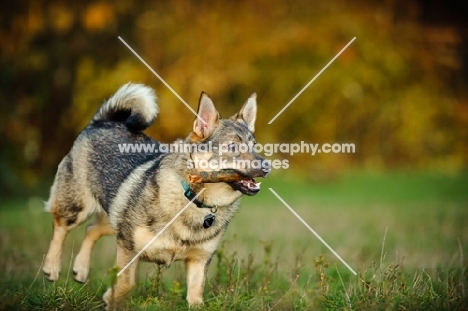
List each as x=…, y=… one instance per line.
x=196, y=273
x=125, y=281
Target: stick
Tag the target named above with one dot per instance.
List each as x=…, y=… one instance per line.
x=215, y=176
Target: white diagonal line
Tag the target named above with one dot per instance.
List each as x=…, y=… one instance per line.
x=161, y=79
x=313, y=79
x=159, y=233
x=313, y=231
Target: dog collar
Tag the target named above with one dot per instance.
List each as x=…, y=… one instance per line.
x=190, y=195
x=209, y=219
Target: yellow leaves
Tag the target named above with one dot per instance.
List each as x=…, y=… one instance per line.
x=148, y=20
x=95, y=83
x=445, y=44
x=35, y=17
x=60, y=16
x=98, y=16
x=387, y=93
x=383, y=93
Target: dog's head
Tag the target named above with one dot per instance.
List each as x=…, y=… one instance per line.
x=227, y=145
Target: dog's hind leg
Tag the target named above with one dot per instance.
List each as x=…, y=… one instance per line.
x=52, y=262
x=94, y=232
x=67, y=215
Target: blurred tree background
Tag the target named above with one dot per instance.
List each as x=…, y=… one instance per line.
x=399, y=92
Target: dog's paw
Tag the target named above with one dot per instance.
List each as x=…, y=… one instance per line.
x=80, y=276
x=195, y=302
x=80, y=270
x=51, y=272
x=109, y=304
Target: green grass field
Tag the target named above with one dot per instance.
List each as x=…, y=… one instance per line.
x=406, y=234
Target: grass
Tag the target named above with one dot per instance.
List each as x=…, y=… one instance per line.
x=405, y=233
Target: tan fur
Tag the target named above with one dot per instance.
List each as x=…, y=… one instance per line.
x=94, y=232
x=134, y=195
x=125, y=282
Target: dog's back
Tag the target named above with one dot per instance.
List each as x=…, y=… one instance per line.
x=88, y=178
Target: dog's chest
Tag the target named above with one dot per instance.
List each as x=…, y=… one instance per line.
x=165, y=249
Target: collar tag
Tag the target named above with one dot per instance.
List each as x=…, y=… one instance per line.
x=209, y=221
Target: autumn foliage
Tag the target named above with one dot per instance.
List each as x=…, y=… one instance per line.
x=398, y=92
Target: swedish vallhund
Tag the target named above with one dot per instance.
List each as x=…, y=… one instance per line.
x=134, y=195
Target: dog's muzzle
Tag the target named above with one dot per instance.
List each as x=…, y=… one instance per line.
x=248, y=185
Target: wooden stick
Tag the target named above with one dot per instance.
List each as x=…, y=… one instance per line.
x=215, y=176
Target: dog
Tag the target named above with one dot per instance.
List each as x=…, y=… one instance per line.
x=135, y=195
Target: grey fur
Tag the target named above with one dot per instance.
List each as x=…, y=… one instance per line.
x=135, y=104
x=135, y=195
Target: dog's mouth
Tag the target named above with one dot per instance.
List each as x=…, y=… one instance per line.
x=246, y=186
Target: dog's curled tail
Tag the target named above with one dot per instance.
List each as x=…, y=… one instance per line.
x=132, y=104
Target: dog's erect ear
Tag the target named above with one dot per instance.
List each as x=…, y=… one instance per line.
x=248, y=113
x=210, y=116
